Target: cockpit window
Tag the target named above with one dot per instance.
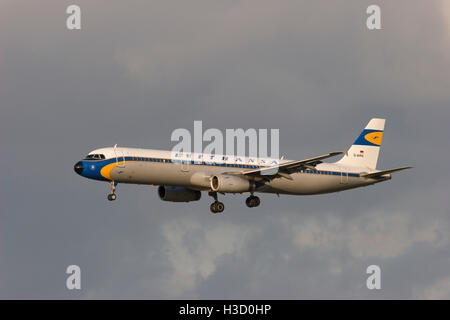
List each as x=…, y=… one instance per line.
x=95, y=157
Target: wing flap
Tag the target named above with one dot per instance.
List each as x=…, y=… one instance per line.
x=285, y=169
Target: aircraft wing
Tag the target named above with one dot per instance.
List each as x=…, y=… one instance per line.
x=380, y=173
x=285, y=169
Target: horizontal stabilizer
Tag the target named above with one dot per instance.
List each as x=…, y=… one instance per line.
x=381, y=173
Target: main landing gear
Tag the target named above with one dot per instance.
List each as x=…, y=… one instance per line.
x=252, y=201
x=216, y=206
x=112, y=196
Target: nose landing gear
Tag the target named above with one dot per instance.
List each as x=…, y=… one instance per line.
x=112, y=196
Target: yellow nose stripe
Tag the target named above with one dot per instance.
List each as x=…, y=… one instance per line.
x=374, y=137
x=106, y=170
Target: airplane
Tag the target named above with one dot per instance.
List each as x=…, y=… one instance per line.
x=181, y=177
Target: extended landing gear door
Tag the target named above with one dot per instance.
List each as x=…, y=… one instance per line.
x=120, y=158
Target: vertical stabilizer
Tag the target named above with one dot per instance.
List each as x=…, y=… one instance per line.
x=365, y=150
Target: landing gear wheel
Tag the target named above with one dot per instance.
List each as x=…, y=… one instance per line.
x=220, y=207
x=217, y=207
x=112, y=197
x=252, y=201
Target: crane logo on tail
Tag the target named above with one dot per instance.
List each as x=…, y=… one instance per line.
x=374, y=137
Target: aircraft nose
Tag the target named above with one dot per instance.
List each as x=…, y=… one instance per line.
x=78, y=167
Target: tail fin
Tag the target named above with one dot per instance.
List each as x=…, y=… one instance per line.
x=364, y=151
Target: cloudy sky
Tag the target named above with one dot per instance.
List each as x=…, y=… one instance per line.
x=137, y=70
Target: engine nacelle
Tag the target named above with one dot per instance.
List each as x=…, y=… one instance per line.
x=178, y=194
x=230, y=183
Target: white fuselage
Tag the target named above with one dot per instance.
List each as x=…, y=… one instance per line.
x=157, y=167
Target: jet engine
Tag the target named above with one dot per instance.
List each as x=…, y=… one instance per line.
x=230, y=183
x=178, y=194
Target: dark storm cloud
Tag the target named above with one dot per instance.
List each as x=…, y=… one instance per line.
x=137, y=71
